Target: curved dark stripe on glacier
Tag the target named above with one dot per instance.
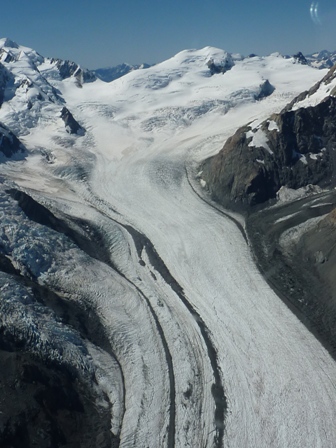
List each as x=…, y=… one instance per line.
x=169, y=359
x=172, y=411
x=217, y=389
x=222, y=212
x=142, y=242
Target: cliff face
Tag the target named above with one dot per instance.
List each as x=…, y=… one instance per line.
x=9, y=143
x=294, y=247
x=283, y=161
x=293, y=149
x=50, y=383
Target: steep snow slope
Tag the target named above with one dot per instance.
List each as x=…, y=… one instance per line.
x=208, y=354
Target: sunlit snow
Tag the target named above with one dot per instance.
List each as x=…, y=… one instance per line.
x=133, y=169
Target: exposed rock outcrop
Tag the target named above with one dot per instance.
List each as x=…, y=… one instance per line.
x=294, y=246
x=293, y=149
x=9, y=143
x=321, y=59
x=300, y=58
x=71, y=125
x=69, y=68
x=50, y=381
x=5, y=76
x=288, y=159
x=266, y=89
x=223, y=66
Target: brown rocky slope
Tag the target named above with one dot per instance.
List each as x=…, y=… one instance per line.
x=294, y=148
x=281, y=174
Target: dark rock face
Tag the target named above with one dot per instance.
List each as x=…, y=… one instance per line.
x=9, y=143
x=294, y=246
x=294, y=241
x=50, y=394
x=5, y=76
x=292, y=149
x=71, y=125
x=300, y=58
x=266, y=89
x=223, y=67
x=45, y=407
x=69, y=68
x=46, y=400
x=6, y=56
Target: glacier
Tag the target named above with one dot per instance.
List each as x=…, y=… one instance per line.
x=193, y=348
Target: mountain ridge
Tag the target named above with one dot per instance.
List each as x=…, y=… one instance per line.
x=132, y=312
x=281, y=173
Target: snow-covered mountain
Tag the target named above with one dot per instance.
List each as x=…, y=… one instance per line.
x=322, y=59
x=132, y=307
x=291, y=149
x=109, y=74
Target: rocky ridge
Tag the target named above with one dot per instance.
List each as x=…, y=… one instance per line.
x=281, y=174
x=293, y=149
x=10, y=145
x=321, y=59
x=108, y=74
x=68, y=69
x=27, y=96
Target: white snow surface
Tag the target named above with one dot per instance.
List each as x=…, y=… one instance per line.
x=259, y=140
x=286, y=194
x=272, y=126
x=325, y=89
x=143, y=131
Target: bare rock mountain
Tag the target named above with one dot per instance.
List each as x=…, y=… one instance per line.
x=10, y=145
x=293, y=149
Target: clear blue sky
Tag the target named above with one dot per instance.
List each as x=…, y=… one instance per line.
x=99, y=33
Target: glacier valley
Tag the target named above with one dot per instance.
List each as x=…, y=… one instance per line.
x=123, y=285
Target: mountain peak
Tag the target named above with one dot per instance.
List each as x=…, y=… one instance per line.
x=108, y=74
x=6, y=42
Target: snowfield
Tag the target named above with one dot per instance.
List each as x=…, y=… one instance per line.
x=206, y=354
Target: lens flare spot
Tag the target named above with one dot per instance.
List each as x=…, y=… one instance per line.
x=314, y=13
